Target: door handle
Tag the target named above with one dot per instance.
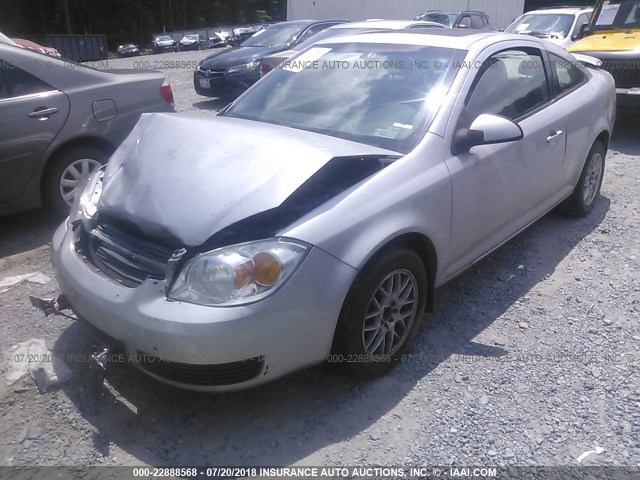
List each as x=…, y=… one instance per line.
x=554, y=135
x=43, y=113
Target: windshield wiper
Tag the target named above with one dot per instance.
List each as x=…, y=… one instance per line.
x=536, y=33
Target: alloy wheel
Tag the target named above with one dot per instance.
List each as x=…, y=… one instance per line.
x=592, y=179
x=390, y=314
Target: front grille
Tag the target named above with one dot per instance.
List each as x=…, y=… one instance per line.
x=626, y=73
x=203, y=375
x=213, y=73
x=124, y=255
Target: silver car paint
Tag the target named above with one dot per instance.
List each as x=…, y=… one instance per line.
x=266, y=160
x=497, y=196
x=466, y=205
x=75, y=91
x=292, y=328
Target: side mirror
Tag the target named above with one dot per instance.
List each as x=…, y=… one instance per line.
x=582, y=32
x=485, y=130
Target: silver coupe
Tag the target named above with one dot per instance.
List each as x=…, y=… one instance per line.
x=316, y=216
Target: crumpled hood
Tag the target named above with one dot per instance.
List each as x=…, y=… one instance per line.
x=190, y=177
x=607, y=42
x=232, y=57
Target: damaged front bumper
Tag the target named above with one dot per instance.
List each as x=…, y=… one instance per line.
x=210, y=348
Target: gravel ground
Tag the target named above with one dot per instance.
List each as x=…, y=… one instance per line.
x=531, y=359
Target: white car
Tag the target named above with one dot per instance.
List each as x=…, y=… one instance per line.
x=558, y=25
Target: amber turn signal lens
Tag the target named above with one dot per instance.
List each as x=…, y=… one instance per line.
x=267, y=269
x=244, y=274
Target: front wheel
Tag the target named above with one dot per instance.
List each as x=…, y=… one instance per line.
x=67, y=174
x=381, y=315
x=583, y=198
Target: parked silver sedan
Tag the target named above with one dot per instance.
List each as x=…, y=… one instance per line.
x=314, y=219
x=61, y=121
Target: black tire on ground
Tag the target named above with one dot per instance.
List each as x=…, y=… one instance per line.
x=580, y=203
x=52, y=176
x=349, y=352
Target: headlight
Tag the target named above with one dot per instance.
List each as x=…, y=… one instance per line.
x=91, y=195
x=238, y=274
x=86, y=202
x=247, y=67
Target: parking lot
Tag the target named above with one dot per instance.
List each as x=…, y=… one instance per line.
x=531, y=358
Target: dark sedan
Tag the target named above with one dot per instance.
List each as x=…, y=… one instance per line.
x=230, y=72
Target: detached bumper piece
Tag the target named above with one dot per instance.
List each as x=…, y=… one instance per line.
x=202, y=375
x=97, y=369
x=54, y=306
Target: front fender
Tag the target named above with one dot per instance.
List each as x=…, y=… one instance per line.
x=411, y=196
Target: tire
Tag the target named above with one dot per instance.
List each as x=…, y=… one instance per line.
x=73, y=165
x=354, y=348
x=584, y=196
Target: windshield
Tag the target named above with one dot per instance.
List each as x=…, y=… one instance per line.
x=191, y=37
x=329, y=33
x=279, y=35
x=543, y=23
x=617, y=14
x=163, y=39
x=376, y=94
x=446, y=19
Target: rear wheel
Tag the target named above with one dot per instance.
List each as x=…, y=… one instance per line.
x=381, y=314
x=584, y=195
x=67, y=175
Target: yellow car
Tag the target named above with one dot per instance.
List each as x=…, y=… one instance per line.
x=613, y=36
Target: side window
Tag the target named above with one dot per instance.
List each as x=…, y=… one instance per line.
x=568, y=75
x=465, y=22
x=476, y=21
x=582, y=20
x=510, y=83
x=16, y=83
x=311, y=31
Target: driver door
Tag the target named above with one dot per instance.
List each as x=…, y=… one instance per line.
x=498, y=189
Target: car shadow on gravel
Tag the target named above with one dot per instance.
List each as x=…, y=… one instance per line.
x=26, y=231
x=286, y=421
x=625, y=137
x=214, y=105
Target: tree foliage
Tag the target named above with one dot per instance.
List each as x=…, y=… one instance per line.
x=130, y=20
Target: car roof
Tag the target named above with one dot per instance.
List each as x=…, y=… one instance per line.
x=384, y=24
x=25, y=43
x=308, y=22
x=453, y=12
x=554, y=10
x=460, y=39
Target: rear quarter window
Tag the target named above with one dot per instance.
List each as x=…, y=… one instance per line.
x=568, y=75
